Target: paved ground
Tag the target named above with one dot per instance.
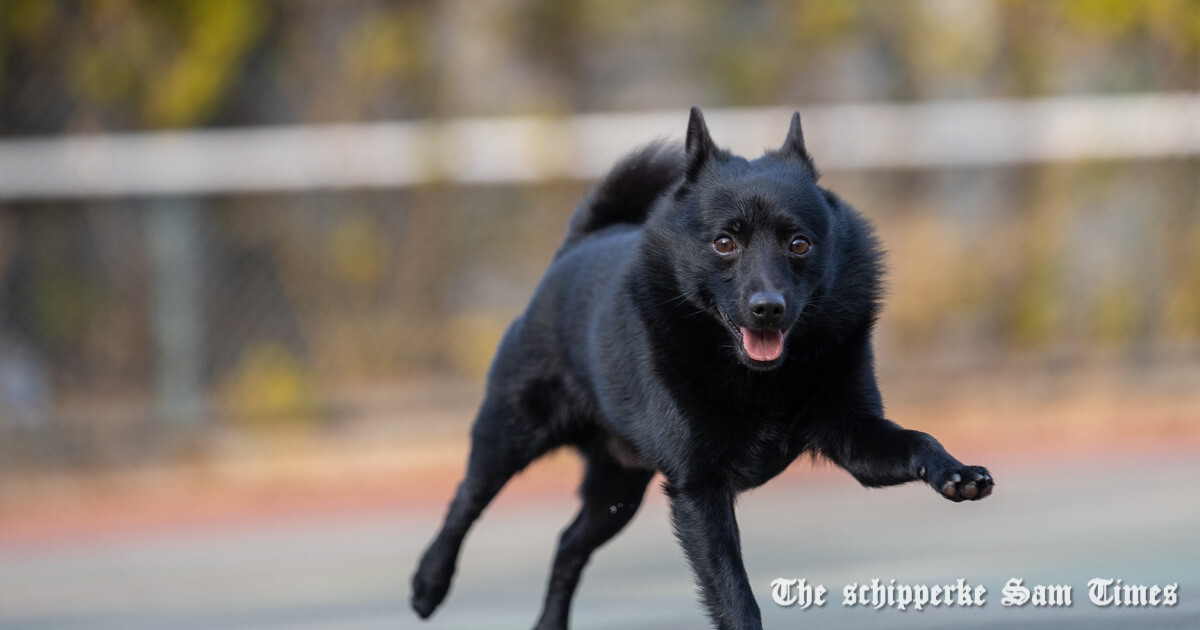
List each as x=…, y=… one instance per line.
x=1132, y=517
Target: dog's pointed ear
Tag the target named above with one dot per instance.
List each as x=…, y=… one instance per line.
x=793, y=145
x=698, y=144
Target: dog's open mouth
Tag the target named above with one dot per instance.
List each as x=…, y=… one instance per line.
x=762, y=345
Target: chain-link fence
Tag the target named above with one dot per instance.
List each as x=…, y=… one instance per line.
x=128, y=320
x=1054, y=216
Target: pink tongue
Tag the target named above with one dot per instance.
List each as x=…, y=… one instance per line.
x=763, y=345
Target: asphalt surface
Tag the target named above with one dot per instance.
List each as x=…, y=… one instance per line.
x=1051, y=521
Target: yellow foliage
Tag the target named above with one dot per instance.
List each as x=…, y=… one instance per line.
x=473, y=339
x=928, y=275
x=383, y=46
x=1107, y=18
x=952, y=39
x=216, y=33
x=357, y=251
x=820, y=21
x=172, y=63
x=1183, y=301
x=1115, y=313
x=27, y=19
x=270, y=388
x=1176, y=22
x=110, y=70
x=1036, y=308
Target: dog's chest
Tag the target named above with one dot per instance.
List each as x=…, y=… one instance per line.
x=758, y=457
x=748, y=449
x=742, y=431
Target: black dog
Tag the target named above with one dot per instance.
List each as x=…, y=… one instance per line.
x=710, y=318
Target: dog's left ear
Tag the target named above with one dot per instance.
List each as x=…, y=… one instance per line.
x=793, y=146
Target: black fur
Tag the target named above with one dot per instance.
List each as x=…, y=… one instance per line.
x=710, y=318
x=627, y=192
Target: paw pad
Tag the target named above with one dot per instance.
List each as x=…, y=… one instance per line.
x=970, y=483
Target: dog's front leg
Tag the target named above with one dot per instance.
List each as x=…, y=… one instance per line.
x=878, y=452
x=707, y=529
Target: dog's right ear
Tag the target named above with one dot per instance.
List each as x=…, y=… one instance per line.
x=698, y=144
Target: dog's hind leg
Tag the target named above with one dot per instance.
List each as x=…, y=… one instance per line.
x=611, y=495
x=497, y=453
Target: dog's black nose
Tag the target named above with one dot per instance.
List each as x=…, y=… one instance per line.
x=767, y=308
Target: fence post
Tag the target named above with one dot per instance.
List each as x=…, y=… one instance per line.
x=173, y=227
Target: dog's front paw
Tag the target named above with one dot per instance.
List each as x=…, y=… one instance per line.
x=968, y=483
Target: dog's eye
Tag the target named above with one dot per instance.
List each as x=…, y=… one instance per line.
x=724, y=245
x=800, y=246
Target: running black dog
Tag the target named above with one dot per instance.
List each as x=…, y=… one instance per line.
x=707, y=317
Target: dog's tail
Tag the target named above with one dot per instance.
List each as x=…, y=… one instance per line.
x=628, y=191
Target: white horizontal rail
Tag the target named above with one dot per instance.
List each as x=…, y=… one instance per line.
x=531, y=149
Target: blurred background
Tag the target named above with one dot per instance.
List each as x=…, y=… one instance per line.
x=256, y=256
